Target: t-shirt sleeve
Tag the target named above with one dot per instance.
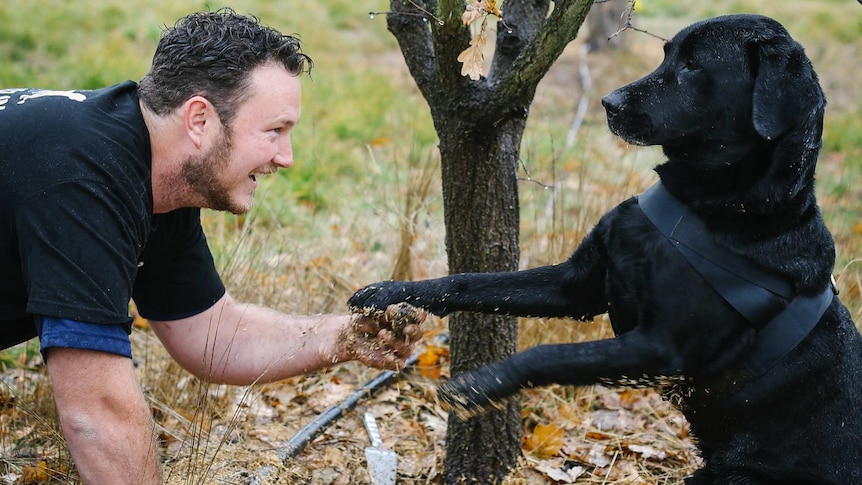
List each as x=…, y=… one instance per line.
x=176, y=277
x=78, y=248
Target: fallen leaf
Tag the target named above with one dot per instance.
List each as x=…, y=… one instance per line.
x=545, y=441
x=430, y=364
x=139, y=321
x=598, y=455
x=647, y=452
x=557, y=474
x=595, y=435
x=37, y=473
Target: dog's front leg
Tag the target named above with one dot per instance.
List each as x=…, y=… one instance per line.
x=574, y=289
x=535, y=292
x=632, y=359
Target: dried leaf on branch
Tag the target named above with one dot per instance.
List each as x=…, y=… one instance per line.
x=472, y=58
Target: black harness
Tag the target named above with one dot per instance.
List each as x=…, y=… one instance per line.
x=766, y=300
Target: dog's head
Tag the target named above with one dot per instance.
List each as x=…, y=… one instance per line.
x=729, y=88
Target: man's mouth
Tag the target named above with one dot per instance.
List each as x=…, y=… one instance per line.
x=255, y=175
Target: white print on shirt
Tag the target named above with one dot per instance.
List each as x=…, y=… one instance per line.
x=4, y=98
x=44, y=92
x=4, y=95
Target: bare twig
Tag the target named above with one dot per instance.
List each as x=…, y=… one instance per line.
x=583, y=104
x=626, y=23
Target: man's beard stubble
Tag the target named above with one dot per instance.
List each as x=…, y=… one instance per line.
x=201, y=174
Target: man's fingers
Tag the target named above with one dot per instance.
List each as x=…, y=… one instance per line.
x=413, y=333
x=401, y=315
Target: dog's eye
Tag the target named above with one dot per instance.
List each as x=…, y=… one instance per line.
x=691, y=65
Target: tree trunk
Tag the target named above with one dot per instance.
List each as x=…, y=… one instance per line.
x=480, y=197
x=480, y=125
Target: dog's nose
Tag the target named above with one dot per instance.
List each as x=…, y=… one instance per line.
x=613, y=102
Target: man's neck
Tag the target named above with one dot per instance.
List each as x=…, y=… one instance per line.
x=166, y=146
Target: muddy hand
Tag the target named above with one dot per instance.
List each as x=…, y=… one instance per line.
x=383, y=339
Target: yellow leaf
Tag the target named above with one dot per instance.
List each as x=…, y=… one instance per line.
x=430, y=361
x=139, y=321
x=545, y=441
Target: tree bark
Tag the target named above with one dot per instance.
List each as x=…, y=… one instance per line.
x=480, y=125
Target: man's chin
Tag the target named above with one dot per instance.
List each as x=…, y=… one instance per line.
x=238, y=206
x=238, y=211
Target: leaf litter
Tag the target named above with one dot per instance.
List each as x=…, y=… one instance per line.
x=225, y=435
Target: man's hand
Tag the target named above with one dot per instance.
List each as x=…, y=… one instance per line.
x=382, y=339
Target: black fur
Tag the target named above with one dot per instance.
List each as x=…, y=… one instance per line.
x=738, y=110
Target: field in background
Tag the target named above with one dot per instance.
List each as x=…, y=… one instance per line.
x=336, y=220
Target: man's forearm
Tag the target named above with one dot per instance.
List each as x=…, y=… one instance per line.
x=235, y=343
x=105, y=419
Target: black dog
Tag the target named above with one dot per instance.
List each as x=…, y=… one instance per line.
x=717, y=280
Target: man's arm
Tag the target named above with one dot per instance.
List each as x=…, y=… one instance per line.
x=104, y=416
x=238, y=343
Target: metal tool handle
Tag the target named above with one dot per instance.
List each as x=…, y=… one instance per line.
x=373, y=431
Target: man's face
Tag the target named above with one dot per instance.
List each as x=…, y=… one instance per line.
x=256, y=143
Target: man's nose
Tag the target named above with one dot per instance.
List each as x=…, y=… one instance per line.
x=284, y=157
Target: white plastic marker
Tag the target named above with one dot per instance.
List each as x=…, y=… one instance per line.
x=382, y=463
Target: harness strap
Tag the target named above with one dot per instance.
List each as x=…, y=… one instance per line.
x=786, y=331
x=764, y=298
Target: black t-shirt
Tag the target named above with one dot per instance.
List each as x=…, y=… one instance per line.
x=78, y=237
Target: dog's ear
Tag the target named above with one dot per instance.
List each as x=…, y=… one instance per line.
x=786, y=88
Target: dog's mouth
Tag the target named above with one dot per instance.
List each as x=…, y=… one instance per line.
x=633, y=130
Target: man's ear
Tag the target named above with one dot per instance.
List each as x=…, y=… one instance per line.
x=199, y=116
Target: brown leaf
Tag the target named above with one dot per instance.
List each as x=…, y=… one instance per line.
x=474, y=11
x=595, y=435
x=31, y=474
x=472, y=58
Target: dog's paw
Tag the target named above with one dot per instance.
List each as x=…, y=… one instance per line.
x=374, y=298
x=477, y=392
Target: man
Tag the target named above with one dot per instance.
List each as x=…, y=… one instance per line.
x=99, y=202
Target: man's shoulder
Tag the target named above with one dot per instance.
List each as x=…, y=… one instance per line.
x=33, y=102
x=55, y=137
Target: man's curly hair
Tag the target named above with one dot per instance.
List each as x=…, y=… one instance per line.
x=212, y=54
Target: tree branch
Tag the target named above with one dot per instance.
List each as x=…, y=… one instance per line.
x=409, y=25
x=521, y=22
x=560, y=28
